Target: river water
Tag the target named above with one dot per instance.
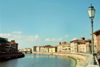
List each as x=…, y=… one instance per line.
x=39, y=60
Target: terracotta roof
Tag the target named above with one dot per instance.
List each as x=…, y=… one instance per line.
x=55, y=46
x=52, y=46
x=81, y=42
x=68, y=43
x=88, y=40
x=12, y=40
x=64, y=42
x=74, y=40
x=47, y=46
x=97, y=32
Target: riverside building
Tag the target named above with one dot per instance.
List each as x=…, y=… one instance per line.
x=73, y=46
x=84, y=45
x=96, y=36
x=7, y=46
x=63, y=47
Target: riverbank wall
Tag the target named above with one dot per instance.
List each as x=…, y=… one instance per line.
x=80, y=58
x=9, y=56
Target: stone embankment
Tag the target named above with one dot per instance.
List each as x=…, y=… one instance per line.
x=80, y=58
x=8, y=56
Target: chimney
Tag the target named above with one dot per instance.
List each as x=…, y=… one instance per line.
x=59, y=43
x=64, y=42
x=12, y=41
x=83, y=38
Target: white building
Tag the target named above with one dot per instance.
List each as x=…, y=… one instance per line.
x=73, y=46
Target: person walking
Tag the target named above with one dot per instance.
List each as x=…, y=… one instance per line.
x=98, y=57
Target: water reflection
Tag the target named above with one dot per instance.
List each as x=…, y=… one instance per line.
x=52, y=56
x=10, y=63
x=38, y=60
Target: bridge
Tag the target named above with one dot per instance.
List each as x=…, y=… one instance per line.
x=26, y=52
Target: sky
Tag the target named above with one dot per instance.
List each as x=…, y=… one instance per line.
x=46, y=22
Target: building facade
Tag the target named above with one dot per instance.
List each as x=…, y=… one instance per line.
x=7, y=46
x=34, y=49
x=14, y=46
x=59, y=47
x=66, y=47
x=53, y=49
x=74, y=46
x=96, y=36
x=38, y=48
x=46, y=48
x=84, y=45
x=0, y=48
x=63, y=47
x=88, y=45
x=42, y=49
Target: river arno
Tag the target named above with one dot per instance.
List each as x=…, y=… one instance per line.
x=39, y=60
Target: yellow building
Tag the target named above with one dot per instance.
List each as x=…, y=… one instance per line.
x=53, y=49
x=38, y=48
x=64, y=47
x=81, y=45
x=27, y=50
x=88, y=47
x=84, y=45
x=46, y=48
x=96, y=36
x=34, y=49
x=42, y=49
x=74, y=46
x=95, y=43
x=59, y=47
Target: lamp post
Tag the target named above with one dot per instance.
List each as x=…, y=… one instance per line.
x=91, y=12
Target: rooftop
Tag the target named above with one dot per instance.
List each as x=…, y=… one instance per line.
x=97, y=32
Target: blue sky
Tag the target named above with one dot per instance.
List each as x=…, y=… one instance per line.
x=46, y=22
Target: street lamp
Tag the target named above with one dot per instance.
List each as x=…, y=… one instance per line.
x=91, y=12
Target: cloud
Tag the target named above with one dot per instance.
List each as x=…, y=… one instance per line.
x=75, y=39
x=17, y=32
x=66, y=36
x=53, y=39
x=32, y=38
x=24, y=41
x=21, y=37
x=60, y=39
x=48, y=39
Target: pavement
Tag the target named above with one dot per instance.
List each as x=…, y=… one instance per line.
x=89, y=62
